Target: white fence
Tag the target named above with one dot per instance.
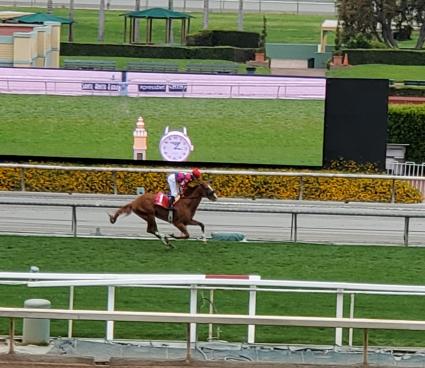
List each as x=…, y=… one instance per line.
x=409, y=169
x=253, y=285
x=155, y=85
x=290, y=6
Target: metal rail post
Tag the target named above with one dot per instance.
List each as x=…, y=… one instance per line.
x=294, y=221
x=365, y=347
x=74, y=221
x=111, y=307
x=301, y=193
x=12, y=335
x=406, y=231
x=22, y=175
x=339, y=314
x=393, y=191
x=71, y=307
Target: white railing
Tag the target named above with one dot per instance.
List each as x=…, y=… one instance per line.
x=410, y=169
x=249, y=283
x=292, y=6
x=300, y=175
x=192, y=88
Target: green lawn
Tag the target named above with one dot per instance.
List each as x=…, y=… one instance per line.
x=396, y=72
x=222, y=130
x=374, y=264
x=281, y=27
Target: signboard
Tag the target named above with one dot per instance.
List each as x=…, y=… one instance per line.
x=90, y=86
x=162, y=87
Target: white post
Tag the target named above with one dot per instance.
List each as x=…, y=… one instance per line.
x=251, y=312
x=339, y=314
x=350, y=331
x=71, y=307
x=211, y=311
x=193, y=309
x=111, y=307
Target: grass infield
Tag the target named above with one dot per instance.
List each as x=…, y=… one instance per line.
x=375, y=264
x=222, y=130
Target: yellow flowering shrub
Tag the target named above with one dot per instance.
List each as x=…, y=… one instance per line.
x=247, y=186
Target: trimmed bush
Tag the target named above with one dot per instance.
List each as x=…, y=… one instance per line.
x=406, y=124
x=386, y=56
x=224, y=38
x=162, y=52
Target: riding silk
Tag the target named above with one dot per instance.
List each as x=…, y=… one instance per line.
x=161, y=199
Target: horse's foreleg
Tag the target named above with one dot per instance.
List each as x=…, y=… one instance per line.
x=201, y=225
x=183, y=230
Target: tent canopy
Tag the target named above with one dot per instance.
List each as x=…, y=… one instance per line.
x=40, y=18
x=156, y=13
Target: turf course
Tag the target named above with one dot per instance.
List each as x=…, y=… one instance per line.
x=269, y=260
x=222, y=130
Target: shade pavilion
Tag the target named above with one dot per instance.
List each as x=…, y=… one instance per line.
x=150, y=15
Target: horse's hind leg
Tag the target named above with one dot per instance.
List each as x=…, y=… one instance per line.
x=153, y=229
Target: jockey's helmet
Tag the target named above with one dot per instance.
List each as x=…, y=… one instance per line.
x=196, y=173
x=180, y=177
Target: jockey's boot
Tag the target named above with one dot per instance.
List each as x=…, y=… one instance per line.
x=170, y=208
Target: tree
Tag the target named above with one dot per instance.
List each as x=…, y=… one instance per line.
x=101, y=29
x=364, y=20
x=419, y=18
x=49, y=6
x=137, y=24
x=206, y=14
x=71, y=16
x=240, y=16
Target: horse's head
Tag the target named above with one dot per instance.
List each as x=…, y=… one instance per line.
x=208, y=191
x=200, y=188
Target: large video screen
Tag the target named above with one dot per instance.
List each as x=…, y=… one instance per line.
x=282, y=125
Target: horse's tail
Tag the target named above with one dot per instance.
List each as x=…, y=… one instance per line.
x=127, y=209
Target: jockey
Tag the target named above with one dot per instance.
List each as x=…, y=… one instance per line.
x=178, y=182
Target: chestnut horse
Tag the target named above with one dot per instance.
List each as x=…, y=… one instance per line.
x=184, y=210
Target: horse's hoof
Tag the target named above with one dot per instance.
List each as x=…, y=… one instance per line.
x=111, y=219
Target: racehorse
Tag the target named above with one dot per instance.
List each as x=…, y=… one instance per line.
x=147, y=207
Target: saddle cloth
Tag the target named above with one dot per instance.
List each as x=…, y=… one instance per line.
x=161, y=199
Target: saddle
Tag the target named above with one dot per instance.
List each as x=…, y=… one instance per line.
x=163, y=200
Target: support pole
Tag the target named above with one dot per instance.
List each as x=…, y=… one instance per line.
x=111, y=308
x=350, y=331
x=406, y=231
x=74, y=221
x=339, y=314
x=194, y=310
x=251, y=312
x=294, y=221
x=188, y=345
x=12, y=336
x=365, y=346
x=71, y=307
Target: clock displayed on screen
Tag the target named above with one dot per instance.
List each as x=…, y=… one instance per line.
x=175, y=145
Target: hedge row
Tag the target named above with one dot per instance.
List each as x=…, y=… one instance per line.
x=163, y=52
x=406, y=124
x=386, y=56
x=224, y=38
x=246, y=186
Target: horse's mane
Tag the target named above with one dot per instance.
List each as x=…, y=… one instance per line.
x=190, y=189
